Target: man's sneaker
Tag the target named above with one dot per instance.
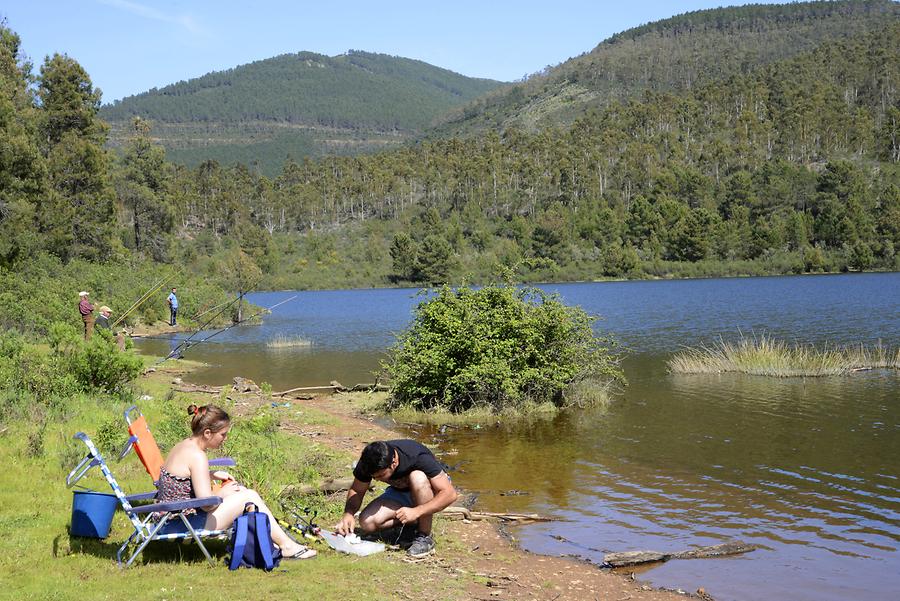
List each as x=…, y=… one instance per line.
x=422, y=546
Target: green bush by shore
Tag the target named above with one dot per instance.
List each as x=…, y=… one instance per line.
x=499, y=348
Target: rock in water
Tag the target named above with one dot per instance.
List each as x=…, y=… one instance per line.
x=632, y=558
x=244, y=385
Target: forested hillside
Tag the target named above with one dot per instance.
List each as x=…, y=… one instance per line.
x=673, y=54
x=295, y=105
x=789, y=169
x=65, y=204
x=792, y=167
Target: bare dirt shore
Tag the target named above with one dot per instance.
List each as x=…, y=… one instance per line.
x=154, y=329
x=475, y=554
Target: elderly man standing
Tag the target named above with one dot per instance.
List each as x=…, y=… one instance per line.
x=87, y=314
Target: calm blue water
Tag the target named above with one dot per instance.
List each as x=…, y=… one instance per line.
x=349, y=330
x=807, y=468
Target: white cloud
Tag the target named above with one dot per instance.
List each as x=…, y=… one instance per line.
x=148, y=12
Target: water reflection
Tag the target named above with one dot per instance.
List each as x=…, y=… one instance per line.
x=788, y=464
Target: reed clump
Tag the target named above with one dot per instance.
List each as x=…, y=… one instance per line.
x=766, y=356
x=288, y=342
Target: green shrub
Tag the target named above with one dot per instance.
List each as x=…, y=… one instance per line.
x=111, y=437
x=34, y=445
x=254, y=445
x=42, y=378
x=499, y=347
x=11, y=344
x=263, y=422
x=174, y=426
x=34, y=379
x=62, y=336
x=98, y=365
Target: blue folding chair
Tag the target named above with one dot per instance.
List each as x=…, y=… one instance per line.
x=158, y=521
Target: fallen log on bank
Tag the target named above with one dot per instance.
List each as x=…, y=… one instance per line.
x=197, y=388
x=455, y=511
x=633, y=558
x=374, y=387
x=334, y=386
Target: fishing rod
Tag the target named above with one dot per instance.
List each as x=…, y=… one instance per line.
x=207, y=310
x=144, y=297
x=204, y=309
x=304, y=524
x=225, y=329
x=228, y=327
x=195, y=332
x=187, y=340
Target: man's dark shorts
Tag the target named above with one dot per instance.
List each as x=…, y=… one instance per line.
x=398, y=495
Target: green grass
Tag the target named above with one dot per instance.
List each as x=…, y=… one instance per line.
x=763, y=355
x=42, y=561
x=479, y=416
x=583, y=394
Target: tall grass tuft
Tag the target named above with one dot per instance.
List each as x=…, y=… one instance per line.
x=288, y=342
x=764, y=356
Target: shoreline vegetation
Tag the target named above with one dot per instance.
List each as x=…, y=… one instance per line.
x=478, y=417
x=765, y=356
x=288, y=342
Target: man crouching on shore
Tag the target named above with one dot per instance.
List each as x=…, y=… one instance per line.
x=418, y=488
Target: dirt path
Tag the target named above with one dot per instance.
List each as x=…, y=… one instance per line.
x=491, y=566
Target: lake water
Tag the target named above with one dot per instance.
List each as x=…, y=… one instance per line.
x=807, y=468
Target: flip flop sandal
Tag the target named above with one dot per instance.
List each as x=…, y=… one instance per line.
x=303, y=553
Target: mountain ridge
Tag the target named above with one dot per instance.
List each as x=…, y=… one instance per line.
x=368, y=100
x=670, y=54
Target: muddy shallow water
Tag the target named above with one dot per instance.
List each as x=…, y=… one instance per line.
x=809, y=469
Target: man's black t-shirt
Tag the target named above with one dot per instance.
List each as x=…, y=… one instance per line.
x=412, y=456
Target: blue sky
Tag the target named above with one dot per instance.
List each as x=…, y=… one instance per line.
x=130, y=46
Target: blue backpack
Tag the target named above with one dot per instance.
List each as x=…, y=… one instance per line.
x=251, y=542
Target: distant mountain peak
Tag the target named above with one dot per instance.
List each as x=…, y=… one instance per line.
x=294, y=105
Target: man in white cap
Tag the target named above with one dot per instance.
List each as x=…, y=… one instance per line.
x=87, y=314
x=103, y=320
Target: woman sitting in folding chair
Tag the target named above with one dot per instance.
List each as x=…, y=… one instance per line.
x=186, y=474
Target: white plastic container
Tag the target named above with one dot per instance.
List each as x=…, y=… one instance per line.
x=351, y=544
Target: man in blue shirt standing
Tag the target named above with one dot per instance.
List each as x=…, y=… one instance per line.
x=173, y=307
